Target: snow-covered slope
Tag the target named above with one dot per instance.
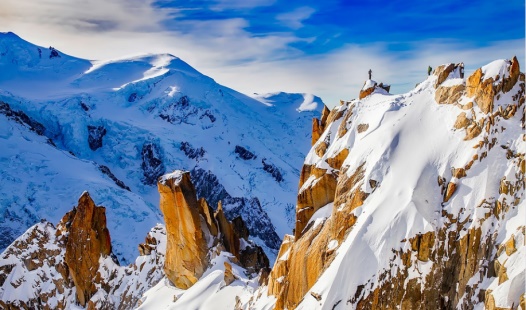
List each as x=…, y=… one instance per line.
x=428, y=200
x=112, y=128
x=410, y=143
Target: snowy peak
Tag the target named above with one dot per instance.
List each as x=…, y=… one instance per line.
x=17, y=54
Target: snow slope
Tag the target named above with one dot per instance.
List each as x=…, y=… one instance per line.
x=112, y=128
x=410, y=142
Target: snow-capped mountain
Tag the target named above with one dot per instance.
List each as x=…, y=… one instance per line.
x=410, y=201
x=68, y=125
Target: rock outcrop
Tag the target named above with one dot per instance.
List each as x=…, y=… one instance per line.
x=450, y=93
x=95, y=135
x=193, y=230
x=484, y=89
x=87, y=241
x=71, y=265
x=186, y=245
x=371, y=86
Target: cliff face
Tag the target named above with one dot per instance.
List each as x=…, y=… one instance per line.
x=186, y=246
x=88, y=240
x=414, y=200
x=194, y=232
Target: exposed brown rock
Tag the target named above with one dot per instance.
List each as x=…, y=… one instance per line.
x=276, y=283
x=314, y=197
x=318, y=125
x=462, y=121
x=442, y=72
x=472, y=131
x=348, y=197
x=324, y=116
x=502, y=274
x=306, y=171
x=485, y=90
x=316, y=130
x=342, y=129
x=229, y=276
x=514, y=71
x=253, y=259
x=146, y=247
x=362, y=127
x=510, y=246
x=459, y=173
x=88, y=239
x=366, y=92
x=186, y=247
x=207, y=213
x=485, y=95
x=473, y=82
x=336, y=162
x=467, y=106
x=451, y=187
x=240, y=228
x=423, y=244
x=335, y=115
x=228, y=237
x=449, y=95
x=457, y=252
x=321, y=148
x=456, y=261
x=308, y=254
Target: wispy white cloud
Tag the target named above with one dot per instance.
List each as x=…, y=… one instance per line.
x=341, y=73
x=295, y=18
x=94, y=15
x=226, y=51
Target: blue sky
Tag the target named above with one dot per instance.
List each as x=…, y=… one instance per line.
x=321, y=47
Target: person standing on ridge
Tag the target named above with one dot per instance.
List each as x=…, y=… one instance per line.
x=370, y=73
x=429, y=69
x=461, y=70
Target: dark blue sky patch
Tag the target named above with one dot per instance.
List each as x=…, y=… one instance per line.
x=336, y=23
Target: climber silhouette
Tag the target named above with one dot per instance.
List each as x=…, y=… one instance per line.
x=370, y=73
x=461, y=70
x=429, y=69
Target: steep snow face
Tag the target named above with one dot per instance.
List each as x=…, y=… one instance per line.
x=409, y=145
x=113, y=128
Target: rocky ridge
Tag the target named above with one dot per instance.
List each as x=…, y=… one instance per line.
x=73, y=264
x=454, y=258
x=193, y=229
